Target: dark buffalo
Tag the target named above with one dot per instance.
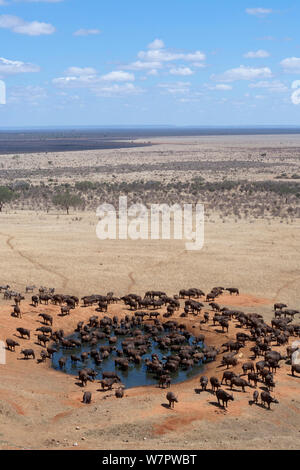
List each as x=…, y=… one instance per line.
x=227, y=376
x=239, y=382
x=87, y=398
x=295, y=368
x=108, y=383
x=35, y=300
x=223, y=397
x=11, y=344
x=43, y=339
x=255, y=396
x=171, y=399
x=252, y=376
x=23, y=332
x=28, y=353
x=203, y=382
x=45, y=330
x=119, y=393
x=17, y=311
x=62, y=362
x=232, y=290
x=48, y=319
x=83, y=377
x=110, y=375
x=266, y=398
x=248, y=366
x=215, y=384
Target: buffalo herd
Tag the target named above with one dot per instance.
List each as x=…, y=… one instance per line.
x=146, y=321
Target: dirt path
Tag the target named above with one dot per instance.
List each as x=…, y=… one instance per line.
x=132, y=281
x=35, y=263
x=285, y=286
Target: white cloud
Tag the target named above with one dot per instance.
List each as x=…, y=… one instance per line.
x=194, y=56
x=139, y=65
x=27, y=94
x=291, y=64
x=79, y=71
x=198, y=64
x=12, y=67
x=96, y=85
x=243, y=73
x=260, y=54
x=295, y=97
x=296, y=84
x=260, y=12
x=87, y=78
x=221, y=86
x=158, y=57
x=153, y=72
x=118, y=76
x=188, y=100
x=164, y=55
x=273, y=86
x=75, y=81
x=20, y=26
x=117, y=90
x=86, y=32
x=156, y=44
x=184, y=71
x=175, y=88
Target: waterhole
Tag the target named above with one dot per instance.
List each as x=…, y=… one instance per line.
x=137, y=374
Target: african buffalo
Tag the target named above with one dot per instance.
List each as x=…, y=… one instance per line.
x=87, y=398
x=11, y=344
x=239, y=382
x=266, y=398
x=224, y=397
x=203, y=382
x=23, y=332
x=215, y=384
x=27, y=353
x=171, y=399
x=295, y=368
x=119, y=393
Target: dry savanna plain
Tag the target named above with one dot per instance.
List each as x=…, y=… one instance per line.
x=250, y=188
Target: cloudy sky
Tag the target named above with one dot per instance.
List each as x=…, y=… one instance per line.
x=158, y=62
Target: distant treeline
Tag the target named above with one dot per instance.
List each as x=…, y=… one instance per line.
x=239, y=198
x=195, y=185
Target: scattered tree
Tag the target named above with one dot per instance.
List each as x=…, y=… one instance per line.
x=6, y=195
x=66, y=200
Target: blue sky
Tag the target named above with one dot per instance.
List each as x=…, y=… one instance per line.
x=192, y=62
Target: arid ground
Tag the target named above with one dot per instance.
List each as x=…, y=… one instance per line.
x=41, y=408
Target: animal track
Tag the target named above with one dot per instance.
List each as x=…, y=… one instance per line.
x=33, y=261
